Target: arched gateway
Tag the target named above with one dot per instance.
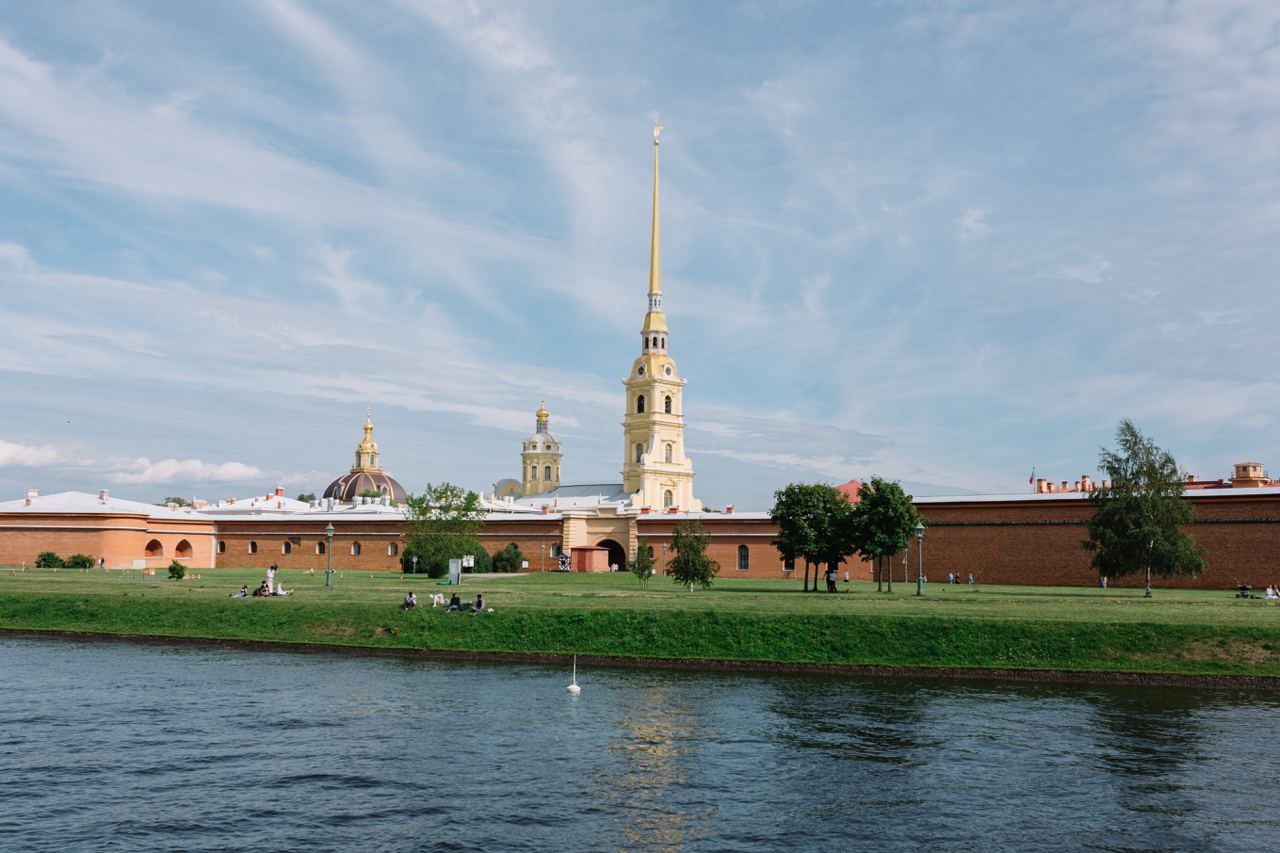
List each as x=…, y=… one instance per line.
x=617, y=554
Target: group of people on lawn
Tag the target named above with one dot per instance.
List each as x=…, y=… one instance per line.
x=455, y=603
x=265, y=589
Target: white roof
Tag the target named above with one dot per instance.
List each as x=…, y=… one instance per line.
x=83, y=502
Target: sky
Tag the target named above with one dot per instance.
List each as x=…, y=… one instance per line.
x=944, y=243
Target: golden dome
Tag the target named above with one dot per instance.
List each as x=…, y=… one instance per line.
x=367, y=444
x=542, y=414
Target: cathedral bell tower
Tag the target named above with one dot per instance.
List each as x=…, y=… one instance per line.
x=655, y=469
x=540, y=458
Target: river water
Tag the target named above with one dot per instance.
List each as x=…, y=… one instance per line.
x=120, y=747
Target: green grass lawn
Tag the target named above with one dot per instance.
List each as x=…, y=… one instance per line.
x=1177, y=631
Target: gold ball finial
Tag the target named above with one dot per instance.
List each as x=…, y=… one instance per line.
x=542, y=414
x=657, y=131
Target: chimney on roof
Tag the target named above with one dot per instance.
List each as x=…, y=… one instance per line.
x=645, y=510
x=1077, y=486
x=1064, y=486
x=279, y=491
x=728, y=510
x=32, y=494
x=546, y=509
x=103, y=495
x=1085, y=483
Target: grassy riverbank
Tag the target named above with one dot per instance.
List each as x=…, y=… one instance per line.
x=1183, y=632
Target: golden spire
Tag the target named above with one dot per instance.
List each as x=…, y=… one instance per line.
x=654, y=320
x=655, y=244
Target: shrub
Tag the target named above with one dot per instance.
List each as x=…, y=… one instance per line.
x=49, y=560
x=436, y=564
x=177, y=571
x=80, y=561
x=509, y=559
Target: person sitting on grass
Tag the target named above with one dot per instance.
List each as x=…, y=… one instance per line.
x=455, y=603
x=410, y=600
x=243, y=593
x=478, y=607
x=280, y=590
x=1273, y=592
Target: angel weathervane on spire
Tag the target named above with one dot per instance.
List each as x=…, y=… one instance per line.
x=657, y=130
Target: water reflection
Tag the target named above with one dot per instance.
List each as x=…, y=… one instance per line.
x=656, y=737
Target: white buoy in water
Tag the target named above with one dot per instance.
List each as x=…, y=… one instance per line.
x=573, y=685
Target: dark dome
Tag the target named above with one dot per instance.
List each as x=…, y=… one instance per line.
x=349, y=486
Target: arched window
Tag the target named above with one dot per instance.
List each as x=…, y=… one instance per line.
x=287, y=548
x=667, y=499
x=222, y=547
x=154, y=548
x=355, y=549
x=639, y=452
x=668, y=453
x=393, y=549
x=183, y=550
x=546, y=472
x=666, y=404
x=320, y=548
x=640, y=405
x=253, y=547
x=533, y=472
x=744, y=558
x=556, y=550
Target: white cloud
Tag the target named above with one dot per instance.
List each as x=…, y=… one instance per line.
x=972, y=223
x=144, y=471
x=26, y=455
x=1092, y=271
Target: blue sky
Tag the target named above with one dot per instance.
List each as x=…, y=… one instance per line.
x=939, y=242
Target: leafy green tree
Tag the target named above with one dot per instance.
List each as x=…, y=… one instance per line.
x=813, y=524
x=642, y=565
x=48, y=560
x=177, y=571
x=80, y=561
x=509, y=559
x=1138, y=518
x=174, y=500
x=882, y=524
x=794, y=513
x=440, y=523
x=691, y=564
x=306, y=497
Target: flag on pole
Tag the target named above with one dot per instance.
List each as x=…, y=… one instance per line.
x=1031, y=481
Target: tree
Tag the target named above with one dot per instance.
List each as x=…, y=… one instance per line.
x=813, y=525
x=175, y=500
x=642, y=565
x=691, y=564
x=794, y=512
x=509, y=559
x=306, y=497
x=439, y=523
x=882, y=524
x=1138, y=518
x=177, y=571
x=48, y=560
x=80, y=561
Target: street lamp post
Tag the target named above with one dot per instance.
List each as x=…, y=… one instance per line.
x=920, y=558
x=328, y=552
x=664, y=558
x=905, y=569
x=542, y=564
x=415, y=564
